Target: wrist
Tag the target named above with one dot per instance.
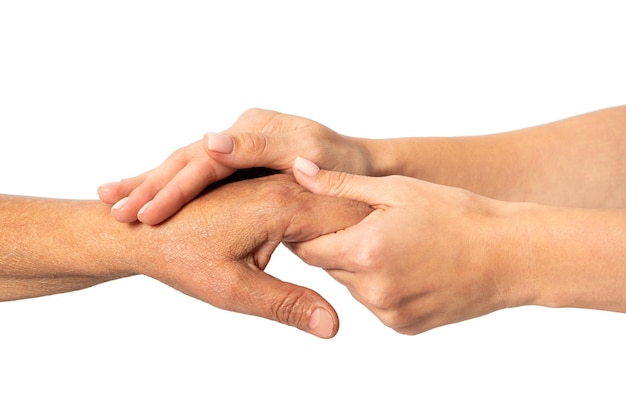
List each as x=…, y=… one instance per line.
x=377, y=157
x=110, y=246
x=510, y=260
x=135, y=249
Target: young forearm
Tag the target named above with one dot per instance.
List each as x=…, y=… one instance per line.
x=561, y=257
x=573, y=162
x=51, y=246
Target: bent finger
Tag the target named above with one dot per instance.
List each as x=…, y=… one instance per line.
x=328, y=252
x=251, y=149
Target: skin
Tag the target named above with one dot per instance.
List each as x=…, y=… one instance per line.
x=462, y=226
x=215, y=249
x=575, y=162
x=261, y=138
x=431, y=255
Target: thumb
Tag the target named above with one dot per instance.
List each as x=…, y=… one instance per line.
x=249, y=150
x=287, y=303
x=370, y=190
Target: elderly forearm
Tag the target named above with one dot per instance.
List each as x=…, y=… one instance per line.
x=50, y=246
x=577, y=162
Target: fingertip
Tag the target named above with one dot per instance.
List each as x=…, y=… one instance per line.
x=153, y=214
x=323, y=323
x=218, y=142
x=120, y=204
x=305, y=167
x=305, y=172
x=106, y=192
x=142, y=216
x=119, y=212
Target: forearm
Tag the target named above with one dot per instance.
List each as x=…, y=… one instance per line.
x=561, y=257
x=576, y=162
x=51, y=246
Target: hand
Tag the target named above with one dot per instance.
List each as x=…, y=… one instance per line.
x=259, y=138
x=217, y=247
x=418, y=261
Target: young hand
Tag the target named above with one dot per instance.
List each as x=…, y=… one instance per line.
x=420, y=259
x=259, y=138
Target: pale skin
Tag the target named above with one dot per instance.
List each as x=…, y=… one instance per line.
x=475, y=224
x=431, y=255
x=215, y=249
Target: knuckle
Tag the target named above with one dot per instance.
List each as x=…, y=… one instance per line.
x=302, y=251
x=180, y=154
x=291, y=308
x=280, y=192
x=409, y=330
x=246, y=117
x=251, y=113
x=339, y=183
x=253, y=144
x=315, y=152
x=368, y=253
x=392, y=319
x=399, y=320
x=380, y=297
x=175, y=194
x=146, y=191
x=253, y=119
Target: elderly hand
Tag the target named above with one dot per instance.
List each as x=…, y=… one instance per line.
x=216, y=248
x=259, y=138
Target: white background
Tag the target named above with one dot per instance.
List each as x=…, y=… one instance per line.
x=91, y=92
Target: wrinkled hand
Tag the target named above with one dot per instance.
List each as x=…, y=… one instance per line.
x=419, y=260
x=259, y=138
x=216, y=248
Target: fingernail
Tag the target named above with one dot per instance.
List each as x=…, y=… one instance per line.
x=105, y=186
x=321, y=323
x=141, y=210
x=119, y=204
x=306, y=167
x=219, y=143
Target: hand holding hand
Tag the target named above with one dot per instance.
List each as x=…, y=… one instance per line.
x=419, y=260
x=259, y=138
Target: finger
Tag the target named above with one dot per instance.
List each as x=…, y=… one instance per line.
x=113, y=192
x=318, y=216
x=250, y=150
x=267, y=297
x=126, y=210
x=182, y=188
x=327, y=252
x=373, y=191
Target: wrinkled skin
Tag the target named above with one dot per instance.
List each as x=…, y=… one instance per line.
x=217, y=247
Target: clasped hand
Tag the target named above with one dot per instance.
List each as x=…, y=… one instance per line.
x=412, y=261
